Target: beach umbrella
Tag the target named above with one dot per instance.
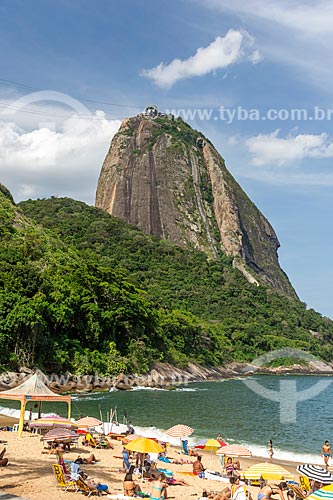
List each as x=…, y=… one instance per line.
x=59, y=434
x=316, y=473
x=267, y=471
x=88, y=422
x=53, y=421
x=212, y=445
x=144, y=445
x=201, y=445
x=325, y=493
x=234, y=450
x=130, y=437
x=180, y=431
x=209, y=445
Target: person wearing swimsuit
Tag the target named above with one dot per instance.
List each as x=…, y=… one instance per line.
x=327, y=453
x=158, y=491
x=270, y=450
x=267, y=491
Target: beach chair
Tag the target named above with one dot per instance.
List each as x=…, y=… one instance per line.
x=91, y=441
x=305, y=483
x=62, y=482
x=82, y=486
x=300, y=495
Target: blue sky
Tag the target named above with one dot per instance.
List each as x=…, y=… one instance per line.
x=58, y=56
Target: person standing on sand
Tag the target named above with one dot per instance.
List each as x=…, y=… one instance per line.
x=327, y=453
x=270, y=450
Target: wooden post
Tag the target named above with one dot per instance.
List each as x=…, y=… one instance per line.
x=21, y=423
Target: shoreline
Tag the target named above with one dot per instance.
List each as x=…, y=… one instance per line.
x=162, y=376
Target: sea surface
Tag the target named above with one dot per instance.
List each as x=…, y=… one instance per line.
x=228, y=407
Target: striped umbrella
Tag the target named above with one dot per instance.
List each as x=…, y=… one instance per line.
x=53, y=421
x=234, y=450
x=58, y=434
x=180, y=431
x=87, y=422
x=316, y=473
x=267, y=471
x=325, y=493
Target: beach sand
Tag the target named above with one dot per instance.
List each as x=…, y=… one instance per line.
x=29, y=472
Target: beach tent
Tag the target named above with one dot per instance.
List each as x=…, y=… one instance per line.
x=33, y=389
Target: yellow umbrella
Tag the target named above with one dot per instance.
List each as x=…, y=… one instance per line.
x=267, y=471
x=212, y=445
x=144, y=445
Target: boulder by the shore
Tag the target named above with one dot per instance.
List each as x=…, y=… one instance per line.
x=162, y=375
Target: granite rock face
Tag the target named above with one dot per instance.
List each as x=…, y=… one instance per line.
x=165, y=178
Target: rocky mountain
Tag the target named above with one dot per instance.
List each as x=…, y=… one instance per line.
x=169, y=180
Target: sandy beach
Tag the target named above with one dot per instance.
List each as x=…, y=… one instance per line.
x=29, y=472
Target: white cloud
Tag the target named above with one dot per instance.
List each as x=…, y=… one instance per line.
x=309, y=18
x=56, y=158
x=221, y=53
x=270, y=149
x=285, y=30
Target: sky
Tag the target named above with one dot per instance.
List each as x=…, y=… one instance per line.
x=255, y=77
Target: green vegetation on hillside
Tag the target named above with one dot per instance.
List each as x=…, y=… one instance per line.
x=177, y=306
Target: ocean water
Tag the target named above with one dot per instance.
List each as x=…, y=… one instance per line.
x=230, y=408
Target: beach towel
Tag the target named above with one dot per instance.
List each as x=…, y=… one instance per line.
x=215, y=477
x=185, y=447
x=126, y=461
x=75, y=469
x=166, y=472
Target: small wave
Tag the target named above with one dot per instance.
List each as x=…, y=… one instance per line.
x=142, y=388
x=189, y=389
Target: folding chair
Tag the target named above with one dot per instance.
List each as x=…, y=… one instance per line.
x=62, y=482
x=82, y=486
